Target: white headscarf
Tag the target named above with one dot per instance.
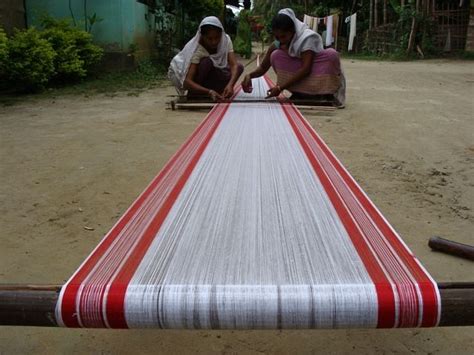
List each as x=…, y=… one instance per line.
x=179, y=66
x=304, y=38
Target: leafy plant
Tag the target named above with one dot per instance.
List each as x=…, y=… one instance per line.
x=165, y=33
x=243, y=40
x=92, y=20
x=76, y=54
x=191, y=13
x=197, y=10
x=3, y=51
x=30, y=62
x=401, y=35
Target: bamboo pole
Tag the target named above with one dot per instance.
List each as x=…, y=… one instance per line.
x=34, y=305
x=371, y=14
x=376, y=13
x=411, y=40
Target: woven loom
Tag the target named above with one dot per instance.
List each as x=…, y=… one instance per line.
x=252, y=224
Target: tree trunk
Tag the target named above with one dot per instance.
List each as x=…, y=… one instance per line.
x=371, y=14
x=376, y=13
x=354, y=3
x=384, y=12
x=411, y=40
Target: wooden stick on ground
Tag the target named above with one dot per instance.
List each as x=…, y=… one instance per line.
x=453, y=248
x=34, y=305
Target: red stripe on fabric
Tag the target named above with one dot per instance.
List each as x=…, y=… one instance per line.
x=116, y=294
x=386, y=298
x=68, y=304
x=429, y=293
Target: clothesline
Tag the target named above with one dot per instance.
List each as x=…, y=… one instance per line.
x=331, y=22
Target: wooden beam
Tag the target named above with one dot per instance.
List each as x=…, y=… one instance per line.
x=28, y=305
x=33, y=305
x=210, y=105
x=452, y=248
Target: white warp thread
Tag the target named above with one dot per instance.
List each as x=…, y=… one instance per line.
x=252, y=240
x=245, y=236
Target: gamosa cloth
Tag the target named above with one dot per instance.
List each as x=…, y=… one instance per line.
x=252, y=224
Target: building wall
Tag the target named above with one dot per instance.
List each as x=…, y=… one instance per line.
x=12, y=15
x=125, y=24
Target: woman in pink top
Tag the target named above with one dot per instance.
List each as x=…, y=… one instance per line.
x=300, y=61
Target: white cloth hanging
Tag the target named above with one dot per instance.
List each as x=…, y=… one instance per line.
x=315, y=24
x=306, y=19
x=352, y=32
x=329, y=40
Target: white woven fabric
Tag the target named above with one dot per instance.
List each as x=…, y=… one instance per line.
x=247, y=238
x=253, y=224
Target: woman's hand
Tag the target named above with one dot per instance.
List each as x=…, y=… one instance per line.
x=228, y=92
x=274, y=91
x=247, y=83
x=215, y=96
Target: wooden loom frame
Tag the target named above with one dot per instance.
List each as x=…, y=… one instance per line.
x=34, y=305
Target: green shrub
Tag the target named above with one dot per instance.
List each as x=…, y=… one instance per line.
x=68, y=65
x=76, y=54
x=30, y=62
x=243, y=40
x=195, y=11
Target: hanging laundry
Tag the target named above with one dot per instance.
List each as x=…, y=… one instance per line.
x=306, y=19
x=447, y=46
x=329, y=31
x=315, y=24
x=352, y=20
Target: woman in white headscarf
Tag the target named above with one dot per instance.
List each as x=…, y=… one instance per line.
x=207, y=64
x=300, y=61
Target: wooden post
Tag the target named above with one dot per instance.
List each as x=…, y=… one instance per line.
x=411, y=40
x=371, y=14
x=29, y=305
x=376, y=13
x=354, y=3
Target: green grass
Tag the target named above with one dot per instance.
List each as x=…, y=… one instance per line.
x=399, y=57
x=403, y=57
x=464, y=56
x=146, y=76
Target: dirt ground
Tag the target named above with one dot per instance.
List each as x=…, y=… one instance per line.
x=70, y=166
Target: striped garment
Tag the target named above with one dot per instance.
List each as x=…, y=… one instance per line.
x=252, y=224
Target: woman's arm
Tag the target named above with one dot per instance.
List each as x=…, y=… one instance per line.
x=261, y=69
x=190, y=84
x=234, y=75
x=264, y=65
x=307, y=58
x=233, y=68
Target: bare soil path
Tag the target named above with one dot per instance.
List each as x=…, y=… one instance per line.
x=70, y=166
